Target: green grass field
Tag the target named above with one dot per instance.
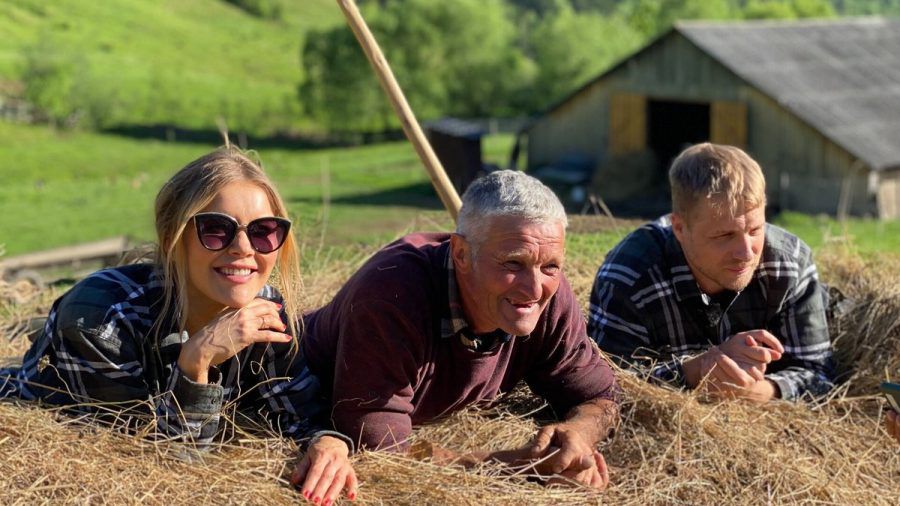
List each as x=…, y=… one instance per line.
x=62, y=188
x=66, y=188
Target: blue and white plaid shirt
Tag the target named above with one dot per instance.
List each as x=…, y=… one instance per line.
x=647, y=309
x=96, y=353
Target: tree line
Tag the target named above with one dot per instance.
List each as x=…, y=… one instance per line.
x=480, y=58
x=467, y=58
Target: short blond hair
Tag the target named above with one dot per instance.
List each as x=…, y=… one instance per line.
x=725, y=175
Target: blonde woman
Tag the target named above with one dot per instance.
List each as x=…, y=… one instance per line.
x=199, y=328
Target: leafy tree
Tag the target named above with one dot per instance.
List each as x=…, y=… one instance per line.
x=652, y=17
x=456, y=58
x=791, y=9
x=340, y=90
x=51, y=81
x=569, y=48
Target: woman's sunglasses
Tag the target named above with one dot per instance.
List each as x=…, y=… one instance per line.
x=217, y=231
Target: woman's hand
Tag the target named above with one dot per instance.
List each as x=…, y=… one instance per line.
x=892, y=423
x=324, y=471
x=228, y=333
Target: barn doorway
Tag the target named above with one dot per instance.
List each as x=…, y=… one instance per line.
x=672, y=126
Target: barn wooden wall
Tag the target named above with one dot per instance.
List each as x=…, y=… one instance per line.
x=804, y=170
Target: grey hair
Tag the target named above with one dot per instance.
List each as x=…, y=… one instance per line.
x=507, y=193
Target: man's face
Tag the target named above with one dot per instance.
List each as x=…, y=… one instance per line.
x=722, y=250
x=511, y=277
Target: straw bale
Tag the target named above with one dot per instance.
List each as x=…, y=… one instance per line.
x=672, y=447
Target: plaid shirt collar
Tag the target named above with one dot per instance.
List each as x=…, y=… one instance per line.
x=455, y=323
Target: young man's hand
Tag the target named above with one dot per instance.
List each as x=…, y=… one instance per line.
x=736, y=368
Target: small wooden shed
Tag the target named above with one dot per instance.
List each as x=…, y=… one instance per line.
x=457, y=144
x=816, y=102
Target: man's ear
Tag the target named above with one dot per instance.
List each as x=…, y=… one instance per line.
x=460, y=251
x=678, y=226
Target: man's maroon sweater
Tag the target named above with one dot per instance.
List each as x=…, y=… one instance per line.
x=378, y=349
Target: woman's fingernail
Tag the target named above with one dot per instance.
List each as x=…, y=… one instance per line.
x=352, y=496
x=279, y=305
x=326, y=502
x=306, y=494
x=316, y=500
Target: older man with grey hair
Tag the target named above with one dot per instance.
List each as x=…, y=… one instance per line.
x=435, y=322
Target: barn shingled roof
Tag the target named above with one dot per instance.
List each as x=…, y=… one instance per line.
x=842, y=76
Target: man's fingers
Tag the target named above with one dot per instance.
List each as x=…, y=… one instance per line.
x=602, y=469
x=766, y=338
x=756, y=370
x=541, y=441
x=759, y=354
x=732, y=373
x=570, y=458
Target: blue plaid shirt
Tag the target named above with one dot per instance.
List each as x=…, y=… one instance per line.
x=96, y=354
x=647, y=309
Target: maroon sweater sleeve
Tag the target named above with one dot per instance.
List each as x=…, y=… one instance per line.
x=376, y=369
x=570, y=369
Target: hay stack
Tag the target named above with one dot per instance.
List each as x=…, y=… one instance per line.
x=672, y=447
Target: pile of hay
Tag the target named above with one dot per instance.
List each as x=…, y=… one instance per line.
x=672, y=447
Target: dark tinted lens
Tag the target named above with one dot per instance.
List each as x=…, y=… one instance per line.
x=215, y=232
x=267, y=234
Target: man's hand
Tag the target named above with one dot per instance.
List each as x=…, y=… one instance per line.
x=325, y=471
x=596, y=476
x=561, y=447
x=736, y=368
x=563, y=452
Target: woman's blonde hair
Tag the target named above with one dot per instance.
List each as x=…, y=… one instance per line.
x=725, y=175
x=189, y=191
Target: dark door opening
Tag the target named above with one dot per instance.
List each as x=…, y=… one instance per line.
x=671, y=127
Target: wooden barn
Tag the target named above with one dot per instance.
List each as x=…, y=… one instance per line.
x=816, y=102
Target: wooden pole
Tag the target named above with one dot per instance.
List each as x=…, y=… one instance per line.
x=411, y=127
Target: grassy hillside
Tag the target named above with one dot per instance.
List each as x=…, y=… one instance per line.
x=191, y=60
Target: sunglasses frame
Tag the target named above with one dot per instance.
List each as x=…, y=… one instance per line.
x=286, y=223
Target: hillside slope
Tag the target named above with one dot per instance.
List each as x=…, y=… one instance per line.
x=133, y=62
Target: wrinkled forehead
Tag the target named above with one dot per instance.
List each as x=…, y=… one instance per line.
x=511, y=236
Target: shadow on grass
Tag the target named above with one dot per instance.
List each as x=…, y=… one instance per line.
x=277, y=141
x=420, y=195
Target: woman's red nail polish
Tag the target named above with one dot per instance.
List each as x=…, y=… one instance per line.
x=316, y=500
x=326, y=502
x=352, y=496
x=306, y=494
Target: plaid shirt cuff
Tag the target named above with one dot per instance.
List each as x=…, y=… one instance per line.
x=197, y=398
x=671, y=372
